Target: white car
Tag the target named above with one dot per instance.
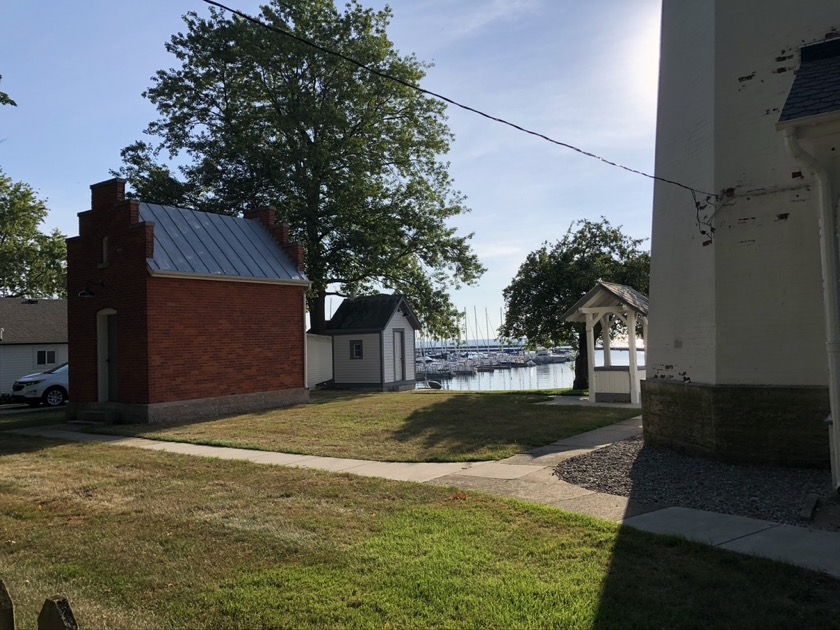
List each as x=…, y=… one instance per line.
x=48, y=387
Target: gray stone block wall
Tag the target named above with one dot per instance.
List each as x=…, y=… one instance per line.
x=738, y=423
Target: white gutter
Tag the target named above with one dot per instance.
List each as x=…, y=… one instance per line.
x=828, y=254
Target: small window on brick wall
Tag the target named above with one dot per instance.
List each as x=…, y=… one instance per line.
x=356, y=349
x=45, y=357
x=104, y=253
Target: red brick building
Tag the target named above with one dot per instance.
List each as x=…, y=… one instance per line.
x=177, y=314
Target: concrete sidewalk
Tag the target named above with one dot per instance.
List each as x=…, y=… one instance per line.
x=529, y=476
x=398, y=471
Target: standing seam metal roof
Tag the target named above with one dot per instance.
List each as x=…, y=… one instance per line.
x=206, y=244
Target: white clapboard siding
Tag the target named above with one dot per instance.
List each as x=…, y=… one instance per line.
x=319, y=367
x=398, y=321
x=361, y=371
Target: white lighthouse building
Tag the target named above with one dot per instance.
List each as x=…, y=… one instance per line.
x=749, y=113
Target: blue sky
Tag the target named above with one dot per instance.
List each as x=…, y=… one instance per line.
x=583, y=73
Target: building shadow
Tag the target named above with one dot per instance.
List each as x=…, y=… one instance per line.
x=664, y=581
x=13, y=444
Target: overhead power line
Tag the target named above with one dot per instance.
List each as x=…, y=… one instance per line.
x=445, y=99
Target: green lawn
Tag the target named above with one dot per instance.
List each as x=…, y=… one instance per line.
x=407, y=427
x=140, y=539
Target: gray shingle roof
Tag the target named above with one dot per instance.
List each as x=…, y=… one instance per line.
x=370, y=313
x=33, y=321
x=188, y=242
x=816, y=88
x=608, y=294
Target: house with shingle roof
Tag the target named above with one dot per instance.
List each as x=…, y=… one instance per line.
x=177, y=314
x=374, y=343
x=33, y=338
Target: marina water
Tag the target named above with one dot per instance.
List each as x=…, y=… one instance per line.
x=545, y=376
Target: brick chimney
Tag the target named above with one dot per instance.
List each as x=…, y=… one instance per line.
x=106, y=195
x=280, y=232
x=296, y=252
x=264, y=214
x=267, y=215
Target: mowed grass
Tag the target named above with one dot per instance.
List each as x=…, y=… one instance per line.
x=140, y=539
x=407, y=427
x=25, y=419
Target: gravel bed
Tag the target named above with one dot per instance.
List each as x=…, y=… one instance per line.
x=664, y=477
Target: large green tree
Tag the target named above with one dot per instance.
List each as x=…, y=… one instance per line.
x=32, y=264
x=553, y=278
x=350, y=160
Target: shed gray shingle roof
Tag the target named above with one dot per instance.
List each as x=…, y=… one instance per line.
x=816, y=88
x=188, y=242
x=609, y=294
x=369, y=313
x=33, y=321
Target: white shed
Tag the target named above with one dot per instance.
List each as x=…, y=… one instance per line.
x=33, y=338
x=319, y=367
x=373, y=343
x=606, y=304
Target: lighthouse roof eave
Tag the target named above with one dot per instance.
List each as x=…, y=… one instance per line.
x=814, y=97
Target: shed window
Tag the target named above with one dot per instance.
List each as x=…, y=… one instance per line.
x=45, y=357
x=356, y=350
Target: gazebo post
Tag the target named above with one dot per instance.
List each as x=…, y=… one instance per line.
x=607, y=303
x=605, y=339
x=631, y=342
x=590, y=348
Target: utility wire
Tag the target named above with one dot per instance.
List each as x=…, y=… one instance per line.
x=445, y=99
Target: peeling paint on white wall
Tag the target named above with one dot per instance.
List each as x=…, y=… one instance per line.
x=735, y=294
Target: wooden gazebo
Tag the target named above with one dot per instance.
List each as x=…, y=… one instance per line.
x=608, y=303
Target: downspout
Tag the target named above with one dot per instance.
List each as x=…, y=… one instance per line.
x=828, y=255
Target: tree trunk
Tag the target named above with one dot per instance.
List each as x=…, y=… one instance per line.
x=317, y=312
x=581, y=381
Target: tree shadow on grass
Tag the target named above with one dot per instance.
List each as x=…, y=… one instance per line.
x=502, y=424
x=13, y=444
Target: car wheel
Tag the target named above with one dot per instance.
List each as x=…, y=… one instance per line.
x=54, y=397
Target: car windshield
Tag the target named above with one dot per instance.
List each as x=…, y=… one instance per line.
x=58, y=369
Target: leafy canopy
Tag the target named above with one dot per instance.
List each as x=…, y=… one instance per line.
x=553, y=278
x=5, y=99
x=32, y=264
x=350, y=160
